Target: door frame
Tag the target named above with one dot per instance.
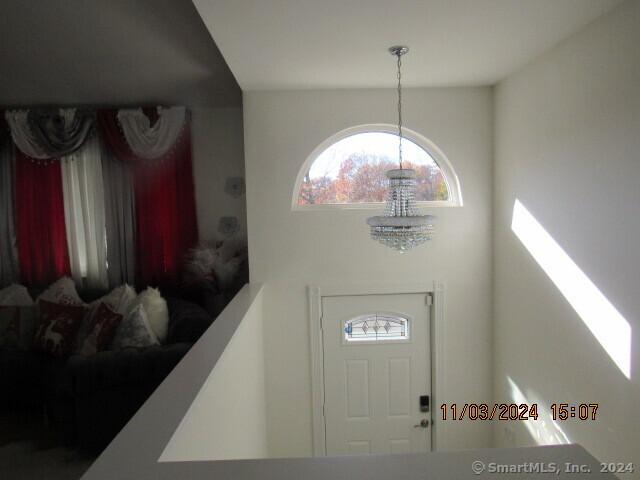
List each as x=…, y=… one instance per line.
x=315, y=293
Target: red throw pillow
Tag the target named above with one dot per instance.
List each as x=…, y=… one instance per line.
x=102, y=327
x=58, y=327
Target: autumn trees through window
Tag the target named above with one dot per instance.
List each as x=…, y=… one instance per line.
x=352, y=170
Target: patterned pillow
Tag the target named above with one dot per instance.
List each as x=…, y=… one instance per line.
x=17, y=325
x=62, y=291
x=58, y=326
x=120, y=299
x=102, y=326
x=134, y=331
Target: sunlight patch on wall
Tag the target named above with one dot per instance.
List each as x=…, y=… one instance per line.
x=544, y=430
x=606, y=324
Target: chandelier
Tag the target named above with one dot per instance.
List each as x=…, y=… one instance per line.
x=401, y=227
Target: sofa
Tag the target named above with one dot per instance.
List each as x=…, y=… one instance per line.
x=86, y=400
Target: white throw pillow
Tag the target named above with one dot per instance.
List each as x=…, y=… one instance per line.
x=157, y=311
x=134, y=331
x=15, y=296
x=61, y=291
x=120, y=299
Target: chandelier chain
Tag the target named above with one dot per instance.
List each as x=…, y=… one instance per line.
x=400, y=109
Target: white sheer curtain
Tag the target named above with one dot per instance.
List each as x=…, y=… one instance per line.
x=85, y=215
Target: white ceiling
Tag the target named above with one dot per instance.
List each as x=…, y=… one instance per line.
x=299, y=44
x=110, y=52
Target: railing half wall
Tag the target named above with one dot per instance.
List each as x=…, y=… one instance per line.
x=178, y=405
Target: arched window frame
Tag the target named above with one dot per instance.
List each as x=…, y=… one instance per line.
x=450, y=176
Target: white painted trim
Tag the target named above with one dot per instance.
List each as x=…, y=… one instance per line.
x=437, y=351
x=450, y=176
x=438, y=359
x=338, y=289
x=317, y=371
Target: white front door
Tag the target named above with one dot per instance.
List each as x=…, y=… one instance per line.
x=376, y=369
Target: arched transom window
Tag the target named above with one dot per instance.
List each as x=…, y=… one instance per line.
x=350, y=167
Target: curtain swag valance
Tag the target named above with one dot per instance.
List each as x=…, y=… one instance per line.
x=46, y=134
x=50, y=134
x=151, y=142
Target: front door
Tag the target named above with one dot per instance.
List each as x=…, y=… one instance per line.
x=377, y=374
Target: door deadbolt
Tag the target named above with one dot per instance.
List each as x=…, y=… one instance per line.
x=424, y=423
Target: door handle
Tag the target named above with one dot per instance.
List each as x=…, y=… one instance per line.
x=424, y=423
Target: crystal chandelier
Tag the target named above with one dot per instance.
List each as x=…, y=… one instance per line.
x=401, y=227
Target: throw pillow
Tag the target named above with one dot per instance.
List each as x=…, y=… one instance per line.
x=58, y=326
x=62, y=291
x=120, y=299
x=17, y=326
x=156, y=310
x=134, y=331
x=103, y=324
x=15, y=295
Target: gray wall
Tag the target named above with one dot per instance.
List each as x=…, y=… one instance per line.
x=218, y=154
x=110, y=52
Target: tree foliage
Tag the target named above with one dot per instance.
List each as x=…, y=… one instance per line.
x=362, y=178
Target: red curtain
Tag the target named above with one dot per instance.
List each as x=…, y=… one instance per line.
x=40, y=225
x=166, y=225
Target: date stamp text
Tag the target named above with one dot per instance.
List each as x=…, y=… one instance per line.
x=517, y=411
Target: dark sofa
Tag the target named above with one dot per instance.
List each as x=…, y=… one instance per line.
x=87, y=400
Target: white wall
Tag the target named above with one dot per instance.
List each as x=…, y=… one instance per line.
x=567, y=143
x=290, y=250
x=227, y=420
x=218, y=153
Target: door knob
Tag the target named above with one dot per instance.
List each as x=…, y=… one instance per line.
x=424, y=423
